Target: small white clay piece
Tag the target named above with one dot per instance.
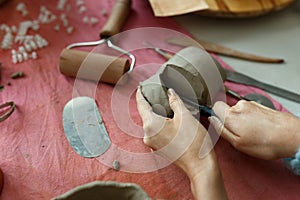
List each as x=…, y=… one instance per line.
x=21, y=7
x=85, y=20
x=22, y=36
x=61, y=4
x=14, y=29
x=27, y=46
x=79, y=2
x=70, y=29
x=7, y=41
x=34, y=55
x=116, y=165
x=25, y=56
x=45, y=16
x=56, y=27
x=93, y=20
x=82, y=9
x=14, y=56
x=63, y=18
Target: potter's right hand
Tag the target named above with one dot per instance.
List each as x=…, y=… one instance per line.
x=257, y=130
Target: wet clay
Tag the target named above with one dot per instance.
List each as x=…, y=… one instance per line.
x=182, y=73
x=156, y=94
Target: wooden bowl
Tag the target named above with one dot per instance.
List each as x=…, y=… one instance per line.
x=243, y=8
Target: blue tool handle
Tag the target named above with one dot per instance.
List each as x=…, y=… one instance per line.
x=204, y=110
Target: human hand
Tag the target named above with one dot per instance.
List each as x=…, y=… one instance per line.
x=179, y=139
x=257, y=130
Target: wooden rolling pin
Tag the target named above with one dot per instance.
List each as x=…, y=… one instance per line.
x=96, y=67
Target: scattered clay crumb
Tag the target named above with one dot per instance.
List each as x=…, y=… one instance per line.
x=56, y=27
x=85, y=20
x=17, y=75
x=70, y=29
x=93, y=21
x=8, y=83
x=116, y=165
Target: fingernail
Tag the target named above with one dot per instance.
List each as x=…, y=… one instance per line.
x=214, y=119
x=171, y=92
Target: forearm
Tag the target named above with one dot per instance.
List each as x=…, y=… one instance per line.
x=207, y=182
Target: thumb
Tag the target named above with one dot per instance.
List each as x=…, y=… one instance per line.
x=220, y=108
x=222, y=130
x=175, y=102
x=217, y=124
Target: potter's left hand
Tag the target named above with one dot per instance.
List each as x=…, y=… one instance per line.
x=182, y=134
x=180, y=139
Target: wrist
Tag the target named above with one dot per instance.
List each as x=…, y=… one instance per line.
x=200, y=165
x=207, y=182
x=293, y=143
x=295, y=129
x=284, y=136
x=293, y=162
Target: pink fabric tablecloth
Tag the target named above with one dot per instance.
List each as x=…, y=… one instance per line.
x=35, y=156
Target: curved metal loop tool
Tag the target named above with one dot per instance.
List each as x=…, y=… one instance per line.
x=109, y=44
x=110, y=68
x=5, y=115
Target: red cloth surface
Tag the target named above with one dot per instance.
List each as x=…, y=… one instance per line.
x=39, y=163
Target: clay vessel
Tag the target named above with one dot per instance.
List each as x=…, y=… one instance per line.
x=105, y=190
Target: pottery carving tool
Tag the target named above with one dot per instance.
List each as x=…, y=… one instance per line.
x=161, y=52
x=204, y=110
x=237, y=77
x=84, y=127
x=113, y=68
x=222, y=50
x=259, y=98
